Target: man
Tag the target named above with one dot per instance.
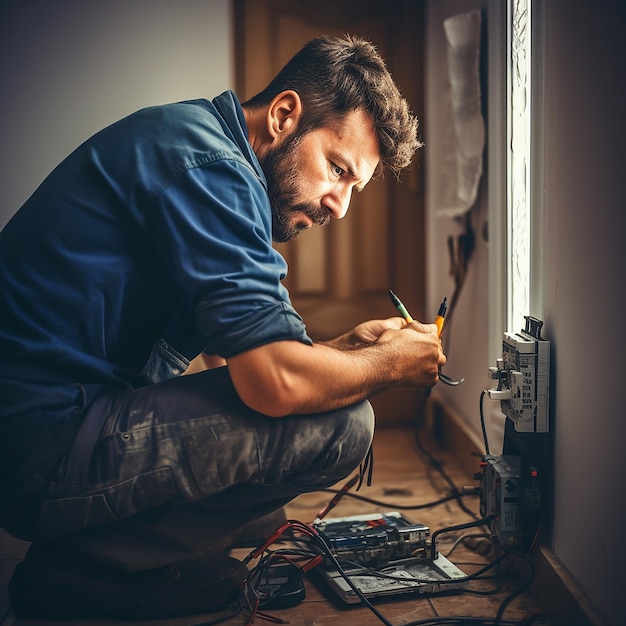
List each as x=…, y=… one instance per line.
x=151, y=246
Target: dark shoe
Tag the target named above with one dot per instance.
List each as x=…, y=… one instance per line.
x=58, y=582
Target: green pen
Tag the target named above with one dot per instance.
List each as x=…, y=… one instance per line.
x=401, y=308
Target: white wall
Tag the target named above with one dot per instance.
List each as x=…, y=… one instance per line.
x=583, y=284
x=584, y=258
x=70, y=67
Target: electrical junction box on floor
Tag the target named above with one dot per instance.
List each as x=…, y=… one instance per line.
x=501, y=496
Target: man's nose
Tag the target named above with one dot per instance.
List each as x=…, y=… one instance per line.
x=339, y=202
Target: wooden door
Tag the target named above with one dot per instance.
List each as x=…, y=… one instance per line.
x=340, y=275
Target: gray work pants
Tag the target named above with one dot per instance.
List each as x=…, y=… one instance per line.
x=160, y=473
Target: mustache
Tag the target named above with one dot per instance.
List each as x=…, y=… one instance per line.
x=318, y=215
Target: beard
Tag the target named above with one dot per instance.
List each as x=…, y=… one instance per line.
x=280, y=167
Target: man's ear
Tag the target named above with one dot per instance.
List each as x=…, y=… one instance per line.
x=283, y=113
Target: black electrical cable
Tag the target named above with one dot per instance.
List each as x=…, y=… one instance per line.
x=490, y=621
x=317, y=539
x=391, y=505
x=499, y=620
x=520, y=590
x=367, y=571
x=329, y=553
x=433, y=545
x=482, y=421
x=463, y=621
x=294, y=563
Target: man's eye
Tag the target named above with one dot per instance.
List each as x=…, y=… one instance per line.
x=337, y=171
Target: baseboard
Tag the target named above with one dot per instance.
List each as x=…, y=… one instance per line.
x=553, y=589
x=558, y=595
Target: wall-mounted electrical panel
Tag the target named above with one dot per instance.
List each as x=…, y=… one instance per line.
x=513, y=484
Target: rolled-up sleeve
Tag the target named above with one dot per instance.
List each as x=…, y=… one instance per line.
x=212, y=226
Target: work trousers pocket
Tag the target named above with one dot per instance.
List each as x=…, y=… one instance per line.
x=106, y=504
x=164, y=362
x=219, y=462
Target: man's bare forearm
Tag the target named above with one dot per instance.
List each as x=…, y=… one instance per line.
x=289, y=377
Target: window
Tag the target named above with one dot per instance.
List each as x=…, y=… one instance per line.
x=516, y=139
x=518, y=162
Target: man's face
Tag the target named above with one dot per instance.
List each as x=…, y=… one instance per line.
x=311, y=177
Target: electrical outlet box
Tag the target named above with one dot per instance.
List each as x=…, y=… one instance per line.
x=523, y=373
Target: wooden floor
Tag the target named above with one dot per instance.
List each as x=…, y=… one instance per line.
x=403, y=476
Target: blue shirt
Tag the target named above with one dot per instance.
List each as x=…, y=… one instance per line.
x=149, y=243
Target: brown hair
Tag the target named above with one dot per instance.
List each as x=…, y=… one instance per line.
x=334, y=75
